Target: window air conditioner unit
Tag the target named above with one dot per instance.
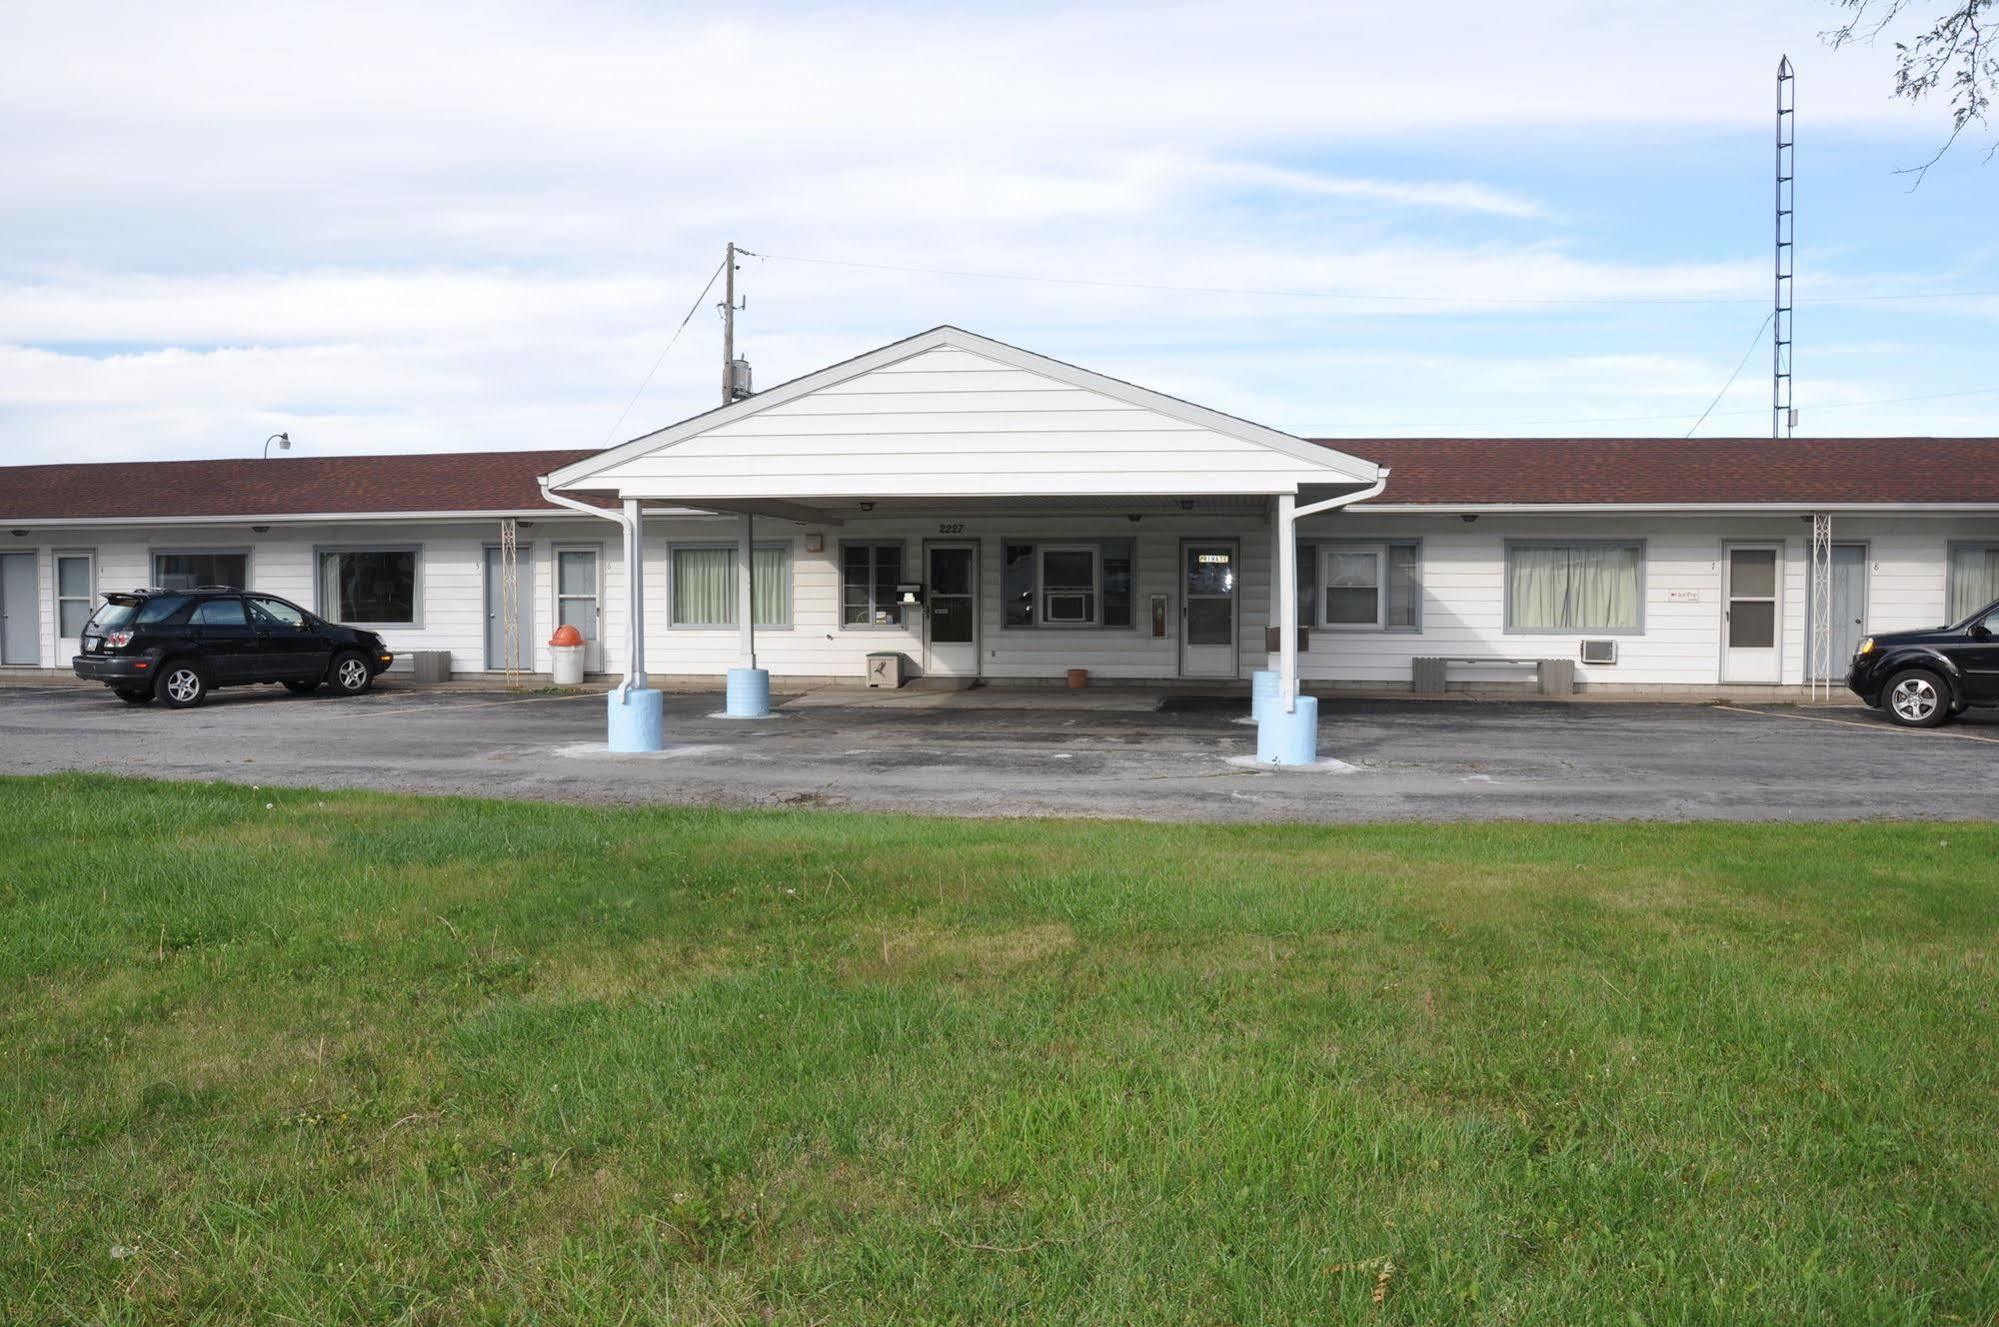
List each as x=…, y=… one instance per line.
x=1599, y=651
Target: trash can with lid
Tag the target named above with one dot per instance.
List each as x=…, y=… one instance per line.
x=566, y=649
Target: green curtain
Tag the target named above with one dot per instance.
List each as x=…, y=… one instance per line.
x=1974, y=580
x=1585, y=587
x=773, y=570
x=704, y=587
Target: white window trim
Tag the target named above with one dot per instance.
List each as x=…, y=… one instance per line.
x=1379, y=552
x=330, y=611
x=673, y=620
x=89, y=596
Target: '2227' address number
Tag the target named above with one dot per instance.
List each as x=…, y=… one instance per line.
x=951, y=527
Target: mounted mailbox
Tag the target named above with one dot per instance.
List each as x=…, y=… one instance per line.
x=909, y=592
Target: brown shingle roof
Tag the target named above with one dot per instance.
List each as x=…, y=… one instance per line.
x=281, y=486
x=1431, y=471
x=1464, y=471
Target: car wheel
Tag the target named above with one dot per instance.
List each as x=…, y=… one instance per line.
x=1916, y=698
x=182, y=685
x=301, y=688
x=131, y=697
x=351, y=676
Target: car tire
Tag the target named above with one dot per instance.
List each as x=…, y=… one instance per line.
x=132, y=697
x=1916, y=698
x=349, y=674
x=301, y=688
x=182, y=685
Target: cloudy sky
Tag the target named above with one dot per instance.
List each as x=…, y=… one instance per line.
x=455, y=227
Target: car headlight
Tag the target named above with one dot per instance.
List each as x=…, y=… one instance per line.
x=1866, y=648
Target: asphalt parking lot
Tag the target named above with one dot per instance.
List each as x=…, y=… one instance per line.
x=1387, y=760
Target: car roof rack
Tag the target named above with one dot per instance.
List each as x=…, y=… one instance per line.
x=234, y=589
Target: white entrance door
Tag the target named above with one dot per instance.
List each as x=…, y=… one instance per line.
x=951, y=610
x=1752, y=616
x=577, y=589
x=1209, y=579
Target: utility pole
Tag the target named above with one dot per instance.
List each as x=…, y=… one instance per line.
x=735, y=386
x=735, y=372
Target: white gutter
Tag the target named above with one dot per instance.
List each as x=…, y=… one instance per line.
x=306, y=518
x=1288, y=516
x=1675, y=508
x=628, y=520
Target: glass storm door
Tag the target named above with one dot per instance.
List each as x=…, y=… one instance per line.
x=576, y=590
x=1752, y=623
x=951, y=611
x=1208, y=583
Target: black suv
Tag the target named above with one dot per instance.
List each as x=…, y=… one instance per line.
x=178, y=645
x=1921, y=678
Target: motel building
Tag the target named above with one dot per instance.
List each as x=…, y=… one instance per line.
x=986, y=514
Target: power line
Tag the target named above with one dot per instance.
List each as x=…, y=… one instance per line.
x=1732, y=377
x=1722, y=414
x=1274, y=293
x=691, y=310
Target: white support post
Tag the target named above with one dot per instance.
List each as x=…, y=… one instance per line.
x=746, y=590
x=635, y=598
x=1276, y=590
x=1287, y=596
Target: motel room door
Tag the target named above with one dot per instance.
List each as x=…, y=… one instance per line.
x=1209, y=579
x=1752, y=613
x=496, y=618
x=20, y=605
x=951, y=610
x=1849, y=604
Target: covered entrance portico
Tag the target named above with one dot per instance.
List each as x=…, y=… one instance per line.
x=987, y=512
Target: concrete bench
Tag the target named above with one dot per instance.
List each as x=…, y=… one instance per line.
x=1555, y=677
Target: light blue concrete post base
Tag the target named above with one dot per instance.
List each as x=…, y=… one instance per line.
x=749, y=693
x=1289, y=739
x=1266, y=688
x=638, y=720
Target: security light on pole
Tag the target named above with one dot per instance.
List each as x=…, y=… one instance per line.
x=284, y=441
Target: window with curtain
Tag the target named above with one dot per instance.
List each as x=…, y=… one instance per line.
x=1395, y=603
x=369, y=585
x=869, y=574
x=705, y=589
x=1077, y=584
x=186, y=570
x=1974, y=578
x=1573, y=587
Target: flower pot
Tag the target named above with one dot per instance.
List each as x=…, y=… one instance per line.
x=1078, y=678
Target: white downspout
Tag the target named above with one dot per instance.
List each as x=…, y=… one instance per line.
x=1288, y=516
x=629, y=521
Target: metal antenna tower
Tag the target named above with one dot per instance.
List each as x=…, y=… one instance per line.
x=1782, y=417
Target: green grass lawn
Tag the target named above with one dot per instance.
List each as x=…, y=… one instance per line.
x=281, y=1056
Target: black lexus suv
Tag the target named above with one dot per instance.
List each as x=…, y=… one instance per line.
x=178, y=645
x=1921, y=678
